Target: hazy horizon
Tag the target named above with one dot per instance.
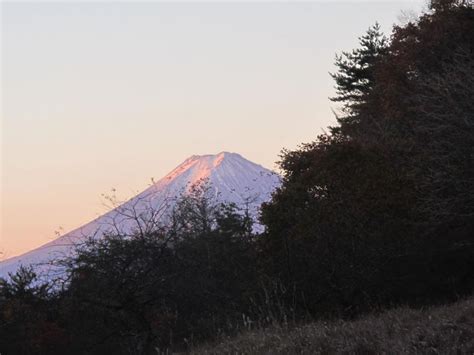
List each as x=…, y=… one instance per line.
x=109, y=95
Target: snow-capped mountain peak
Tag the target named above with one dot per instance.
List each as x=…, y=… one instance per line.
x=230, y=178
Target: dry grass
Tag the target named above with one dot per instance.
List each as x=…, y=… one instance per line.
x=441, y=330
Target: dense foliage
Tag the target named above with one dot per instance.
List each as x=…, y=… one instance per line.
x=380, y=211
x=186, y=281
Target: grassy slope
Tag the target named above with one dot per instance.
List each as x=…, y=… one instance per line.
x=441, y=330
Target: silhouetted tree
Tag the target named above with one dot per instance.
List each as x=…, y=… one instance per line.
x=380, y=209
x=355, y=78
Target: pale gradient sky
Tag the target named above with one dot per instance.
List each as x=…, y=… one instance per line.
x=108, y=95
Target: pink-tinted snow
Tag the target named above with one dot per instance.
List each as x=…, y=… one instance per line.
x=231, y=178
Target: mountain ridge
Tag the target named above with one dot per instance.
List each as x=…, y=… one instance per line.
x=231, y=178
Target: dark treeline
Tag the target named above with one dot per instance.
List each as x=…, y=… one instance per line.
x=375, y=213
x=381, y=209
x=170, y=287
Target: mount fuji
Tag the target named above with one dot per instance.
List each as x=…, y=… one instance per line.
x=229, y=177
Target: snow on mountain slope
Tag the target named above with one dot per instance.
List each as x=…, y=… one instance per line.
x=231, y=178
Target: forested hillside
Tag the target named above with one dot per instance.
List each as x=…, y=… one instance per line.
x=381, y=209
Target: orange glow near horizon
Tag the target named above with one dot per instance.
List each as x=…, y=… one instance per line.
x=102, y=95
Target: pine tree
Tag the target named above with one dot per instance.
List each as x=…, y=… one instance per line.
x=355, y=76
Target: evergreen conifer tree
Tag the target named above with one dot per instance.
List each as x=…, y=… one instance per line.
x=355, y=76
